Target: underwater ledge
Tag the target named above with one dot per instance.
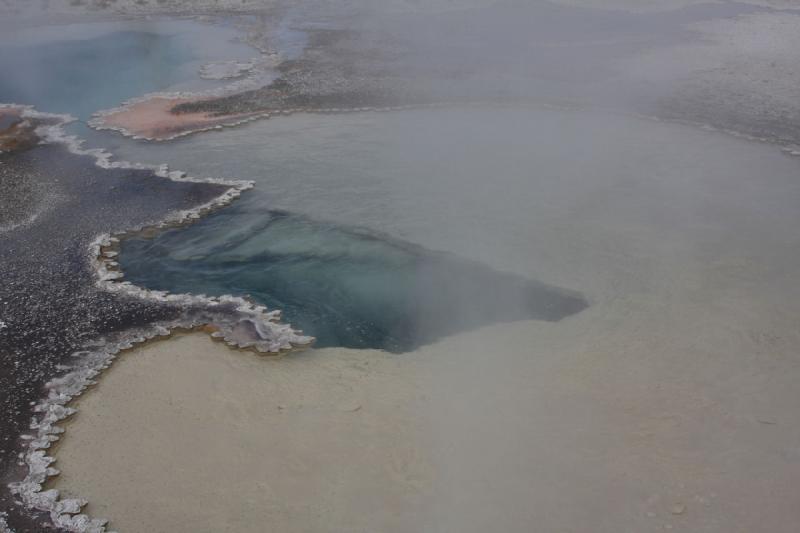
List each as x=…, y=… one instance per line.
x=348, y=287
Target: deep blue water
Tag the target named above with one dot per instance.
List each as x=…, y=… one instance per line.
x=83, y=76
x=346, y=286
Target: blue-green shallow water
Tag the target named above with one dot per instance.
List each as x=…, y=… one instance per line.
x=83, y=68
x=346, y=286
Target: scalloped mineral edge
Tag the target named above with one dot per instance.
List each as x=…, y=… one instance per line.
x=65, y=512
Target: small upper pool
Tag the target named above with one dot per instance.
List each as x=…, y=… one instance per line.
x=86, y=67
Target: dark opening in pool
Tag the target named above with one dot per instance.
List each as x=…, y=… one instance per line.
x=346, y=286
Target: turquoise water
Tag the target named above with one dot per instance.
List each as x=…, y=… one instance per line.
x=346, y=286
x=82, y=68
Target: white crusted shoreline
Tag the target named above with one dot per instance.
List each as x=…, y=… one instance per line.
x=274, y=337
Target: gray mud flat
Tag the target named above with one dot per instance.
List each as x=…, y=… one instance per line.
x=728, y=65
